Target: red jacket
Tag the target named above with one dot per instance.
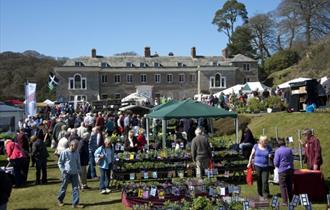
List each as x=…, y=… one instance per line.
x=14, y=150
x=313, y=154
x=141, y=141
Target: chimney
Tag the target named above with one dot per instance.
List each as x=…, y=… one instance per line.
x=193, y=52
x=225, y=52
x=147, y=53
x=93, y=53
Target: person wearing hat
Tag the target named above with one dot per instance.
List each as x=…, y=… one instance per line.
x=313, y=155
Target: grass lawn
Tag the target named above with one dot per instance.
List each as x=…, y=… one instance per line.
x=44, y=196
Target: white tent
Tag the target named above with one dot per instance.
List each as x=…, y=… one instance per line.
x=287, y=84
x=135, y=97
x=235, y=89
x=325, y=82
x=254, y=86
x=201, y=97
x=49, y=102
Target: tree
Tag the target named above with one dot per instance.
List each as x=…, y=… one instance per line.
x=314, y=16
x=226, y=17
x=281, y=60
x=262, y=28
x=241, y=42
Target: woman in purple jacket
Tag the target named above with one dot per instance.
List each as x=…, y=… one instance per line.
x=283, y=160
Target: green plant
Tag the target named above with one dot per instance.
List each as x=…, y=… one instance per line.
x=201, y=203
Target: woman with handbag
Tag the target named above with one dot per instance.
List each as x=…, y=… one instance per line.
x=261, y=153
x=104, y=157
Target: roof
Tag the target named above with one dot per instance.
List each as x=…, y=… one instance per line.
x=6, y=108
x=242, y=58
x=253, y=86
x=190, y=109
x=287, y=84
x=163, y=61
x=235, y=89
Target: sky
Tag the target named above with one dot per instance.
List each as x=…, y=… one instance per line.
x=71, y=28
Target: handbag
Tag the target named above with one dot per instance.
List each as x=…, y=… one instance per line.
x=249, y=176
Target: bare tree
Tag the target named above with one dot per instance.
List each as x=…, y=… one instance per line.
x=262, y=28
x=314, y=16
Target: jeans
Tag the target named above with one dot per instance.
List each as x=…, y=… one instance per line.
x=104, y=178
x=18, y=165
x=66, y=178
x=285, y=180
x=91, y=172
x=41, y=166
x=262, y=181
x=83, y=176
x=201, y=165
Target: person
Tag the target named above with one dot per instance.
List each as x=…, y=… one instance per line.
x=200, y=152
x=84, y=153
x=63, y=144
x=261, y=153
x=283, y=160
x=40, y=154
x=5, y=189
x=131, y=142
x=17, y=159
x=313, y=156
x=105, y=156
x=141, y=139
x=247, y=141
x=69, y=165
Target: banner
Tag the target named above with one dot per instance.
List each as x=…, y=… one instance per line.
x=52, y=81
x=30, y=99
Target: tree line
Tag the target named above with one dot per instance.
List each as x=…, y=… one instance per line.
x=276, y=39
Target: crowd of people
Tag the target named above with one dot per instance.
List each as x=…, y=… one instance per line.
x=84, y=141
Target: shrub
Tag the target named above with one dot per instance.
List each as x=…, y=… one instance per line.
x=281, y=60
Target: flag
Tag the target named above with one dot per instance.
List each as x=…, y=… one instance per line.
x=30, y=99
x=52, y=81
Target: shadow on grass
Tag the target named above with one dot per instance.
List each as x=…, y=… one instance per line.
x=32, y=209
x=103, y=203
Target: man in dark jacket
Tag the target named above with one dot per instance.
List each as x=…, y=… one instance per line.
x=40, y=154
x=5, y=189
x=200, y=152
x=84, y=159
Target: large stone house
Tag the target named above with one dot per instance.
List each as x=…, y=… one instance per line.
x=97, y=77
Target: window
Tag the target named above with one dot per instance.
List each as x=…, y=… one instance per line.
x=157, y=78
x=78, y=63
x=104, y=96
x=157, y=65
x=78, y=98
x=192, y=77
x=143, y=65
x=117, y=78
x=77, y=82
x=181, y=78
x=143, y=78
x=180, y=64
x=170, y=78
x=129, y=64
x=246, y=67
x=104, y=78
x=217, y=81
x=129, y=78
x=105, y=65
x=117, y=96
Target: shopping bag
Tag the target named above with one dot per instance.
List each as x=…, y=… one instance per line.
x=249, y=176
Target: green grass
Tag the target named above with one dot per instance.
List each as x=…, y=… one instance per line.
x=44, y=196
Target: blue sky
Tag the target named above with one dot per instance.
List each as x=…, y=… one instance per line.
x=71, y=28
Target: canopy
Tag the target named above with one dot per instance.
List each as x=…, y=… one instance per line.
x=190, y=109
x=136, y=109
x=135, y=97
x=287, y=84
x=230, y=90
x=254, y=86
x=160, y=106
x=201, y=96
x=49, y=102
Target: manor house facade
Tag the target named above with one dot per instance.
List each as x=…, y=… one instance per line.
x=97, y=77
